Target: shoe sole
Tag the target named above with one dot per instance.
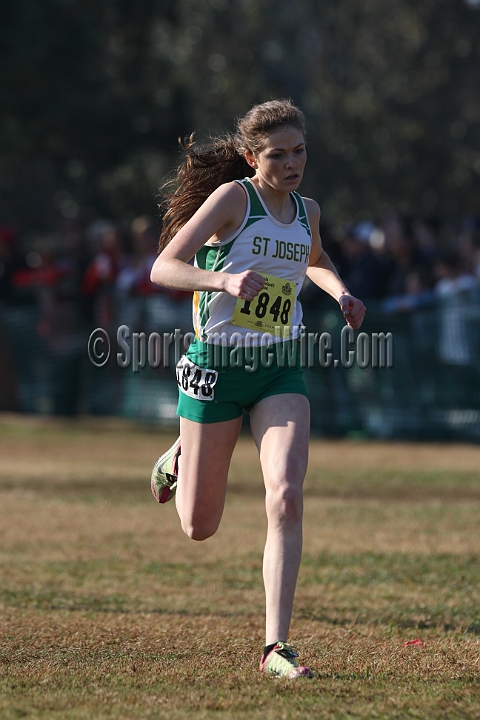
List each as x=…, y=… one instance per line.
x=303, y=672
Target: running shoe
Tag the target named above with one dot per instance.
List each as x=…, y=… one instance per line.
x=165, y=474
x=282, y=662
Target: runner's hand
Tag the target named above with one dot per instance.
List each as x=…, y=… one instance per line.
x=353, y=310
x=244, y=285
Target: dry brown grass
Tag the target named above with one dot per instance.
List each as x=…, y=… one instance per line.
x=108, y=610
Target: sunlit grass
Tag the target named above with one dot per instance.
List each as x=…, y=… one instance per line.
x=109, y=611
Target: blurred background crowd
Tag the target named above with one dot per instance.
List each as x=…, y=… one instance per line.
x=93, y=97
x=400, y=264
x=99, y=268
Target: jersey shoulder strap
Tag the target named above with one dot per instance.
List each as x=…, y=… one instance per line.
x=302, y=213
x=257, y=211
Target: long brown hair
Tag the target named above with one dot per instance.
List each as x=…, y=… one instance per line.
x=207, y=167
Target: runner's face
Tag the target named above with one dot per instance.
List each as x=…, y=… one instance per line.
x=281, y=161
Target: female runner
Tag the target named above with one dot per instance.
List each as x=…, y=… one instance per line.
x=236, y=211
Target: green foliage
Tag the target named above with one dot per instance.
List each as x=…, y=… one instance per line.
x=94, y=95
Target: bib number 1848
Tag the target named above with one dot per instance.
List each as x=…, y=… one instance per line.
x=277, y=309
x=196, y=382
x=271, y=310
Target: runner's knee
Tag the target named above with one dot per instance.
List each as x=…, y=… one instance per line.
x=284, y=503
x=198, y=529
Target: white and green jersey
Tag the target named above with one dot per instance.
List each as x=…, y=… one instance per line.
x=262, y=244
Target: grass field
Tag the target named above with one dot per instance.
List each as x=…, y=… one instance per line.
x=108, y=611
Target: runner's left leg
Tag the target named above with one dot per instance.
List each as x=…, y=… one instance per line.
x=280, y=425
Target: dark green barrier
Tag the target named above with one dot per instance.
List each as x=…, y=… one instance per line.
x=431, y=392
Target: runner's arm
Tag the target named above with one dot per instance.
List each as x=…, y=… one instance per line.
x=322, y=272
x=220, y=214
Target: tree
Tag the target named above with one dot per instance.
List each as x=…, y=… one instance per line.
x=94, y=96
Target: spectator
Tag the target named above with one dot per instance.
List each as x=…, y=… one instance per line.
x=98, y=284
x=468, y=243
x=402, y=252
x=453, y=287
x=11, y=260
x=134, y=278
x=452, y=276
x=418, y=292
x=426, y=233
x=365, y=272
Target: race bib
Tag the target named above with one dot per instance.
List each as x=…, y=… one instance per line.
x=271, y=310
x=194, y=381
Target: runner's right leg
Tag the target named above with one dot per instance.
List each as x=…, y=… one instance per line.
x=203, y=471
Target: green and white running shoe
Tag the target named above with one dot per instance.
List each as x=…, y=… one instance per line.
x=282, y=662
x=165, y=474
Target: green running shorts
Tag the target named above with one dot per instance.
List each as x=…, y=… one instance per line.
x=217, y=382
